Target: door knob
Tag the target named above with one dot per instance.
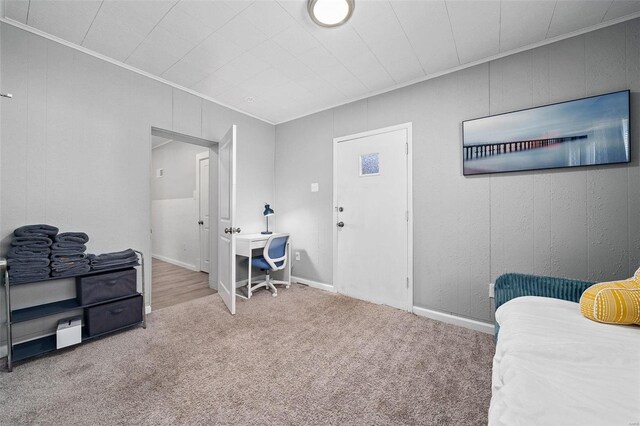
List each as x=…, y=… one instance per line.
x=200, y=222
x=340, y=224
x=227, y=230
x=236, y=230
x=340, y=209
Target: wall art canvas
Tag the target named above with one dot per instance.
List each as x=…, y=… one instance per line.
x=582, y=132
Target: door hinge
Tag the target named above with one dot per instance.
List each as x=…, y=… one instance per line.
x=407, y=282
x=406, y=148
x=406, y=215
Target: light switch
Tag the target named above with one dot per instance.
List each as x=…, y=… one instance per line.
x=314, y=187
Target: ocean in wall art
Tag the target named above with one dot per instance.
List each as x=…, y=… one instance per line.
x=582, y=132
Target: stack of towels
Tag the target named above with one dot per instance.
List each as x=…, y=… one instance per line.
x=119, y=259
x=68, y=255
x=28, y=257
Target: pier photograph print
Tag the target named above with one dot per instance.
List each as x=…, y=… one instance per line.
x=581, y=132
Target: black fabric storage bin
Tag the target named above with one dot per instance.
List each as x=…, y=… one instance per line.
x=110, y=316
x=110, y=285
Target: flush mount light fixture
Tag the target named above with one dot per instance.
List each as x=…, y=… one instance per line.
x=330, y=13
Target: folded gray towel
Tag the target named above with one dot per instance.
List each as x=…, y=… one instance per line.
x=32, y=242
x=72, y=237
x=22, y=252
x=67, y=256
x=40, y=230
x=119, y=259
x=64, y=266
x=17, y=275
x=114, y=265
x=117, y=255
x=68, y=246
x=76, y=270
x=33, y=262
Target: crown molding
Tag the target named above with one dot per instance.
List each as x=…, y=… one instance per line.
x=473, y=64
x=338, y=104
x=74, y=46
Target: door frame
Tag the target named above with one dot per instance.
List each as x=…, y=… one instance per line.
x=200, y=157
x=212, y=147
x=339, y=287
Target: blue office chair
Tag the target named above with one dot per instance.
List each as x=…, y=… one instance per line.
x=274, y=258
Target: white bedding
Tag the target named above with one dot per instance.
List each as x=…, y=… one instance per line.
x=555, y=367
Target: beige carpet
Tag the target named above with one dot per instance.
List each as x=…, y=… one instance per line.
x=305, y=357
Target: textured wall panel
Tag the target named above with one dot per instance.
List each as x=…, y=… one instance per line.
x=76, y=147
x=469, y=230
x=633, y=83
x=512, y=198
x=607, y=188
x=187, y=113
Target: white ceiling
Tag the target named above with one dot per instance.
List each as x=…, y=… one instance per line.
x=270, y=51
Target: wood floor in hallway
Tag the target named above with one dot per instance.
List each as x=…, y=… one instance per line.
x=173, y=284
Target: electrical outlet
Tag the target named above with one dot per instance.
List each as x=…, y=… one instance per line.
x=315, y=187
x=297, y=255
x=491, y=290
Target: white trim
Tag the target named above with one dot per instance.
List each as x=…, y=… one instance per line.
x=175, y=262
x=471, y=64
x=314, y=284
x=161, y=144
x=409, y=129
x=483, y=327
x=199, y=157
x=410, y=214
x=82, y=49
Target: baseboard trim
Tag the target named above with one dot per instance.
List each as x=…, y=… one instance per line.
x=175, y=262
x=314, y=284
x=147, y=309
x=483, y=327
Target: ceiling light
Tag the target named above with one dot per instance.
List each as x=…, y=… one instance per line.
x=330, y=13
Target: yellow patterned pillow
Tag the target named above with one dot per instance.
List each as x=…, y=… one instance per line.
x=614, y=302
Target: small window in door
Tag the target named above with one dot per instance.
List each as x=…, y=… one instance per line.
x=370, y=164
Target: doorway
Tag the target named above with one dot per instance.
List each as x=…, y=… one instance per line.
x=373, y=244
x=183, y=195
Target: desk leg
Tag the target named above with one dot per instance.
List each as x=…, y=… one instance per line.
x=249, y=275
x=289, y=264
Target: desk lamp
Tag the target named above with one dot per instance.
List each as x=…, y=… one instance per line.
x=268, y=211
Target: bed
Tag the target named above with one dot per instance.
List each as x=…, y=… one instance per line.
x=553, y=366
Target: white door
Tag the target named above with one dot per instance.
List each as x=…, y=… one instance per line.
x=226, y=219
x=372, y=216
x=203, y=211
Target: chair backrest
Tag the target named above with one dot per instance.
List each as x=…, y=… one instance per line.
x=275, y=251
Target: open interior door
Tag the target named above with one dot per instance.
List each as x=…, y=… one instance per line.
x=226, y=215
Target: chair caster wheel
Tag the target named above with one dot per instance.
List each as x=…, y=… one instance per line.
x=287, y=286
x=274, y=294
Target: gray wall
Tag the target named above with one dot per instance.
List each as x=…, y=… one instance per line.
x=178, y=160
x=581, y=223
x=76, y=148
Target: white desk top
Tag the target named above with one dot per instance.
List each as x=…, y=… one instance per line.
x=256, y=237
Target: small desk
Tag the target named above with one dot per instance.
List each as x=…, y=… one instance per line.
x=245, y=244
